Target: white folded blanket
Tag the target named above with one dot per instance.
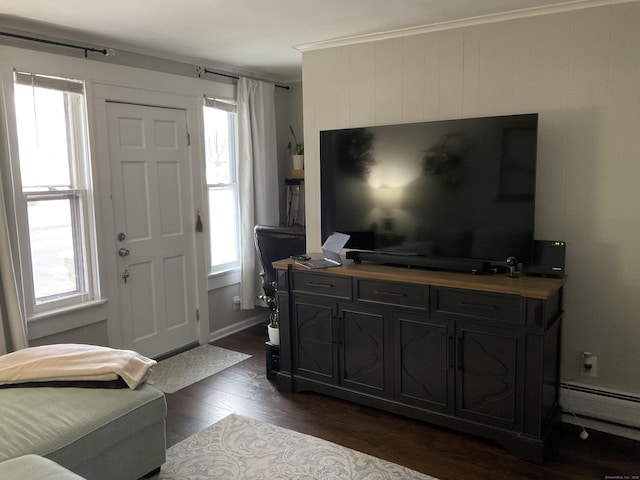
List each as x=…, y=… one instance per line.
x=74, y=362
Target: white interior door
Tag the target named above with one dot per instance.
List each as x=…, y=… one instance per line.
x=155, y=246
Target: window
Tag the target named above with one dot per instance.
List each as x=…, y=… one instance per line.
x=220, y=129
x=55, y=201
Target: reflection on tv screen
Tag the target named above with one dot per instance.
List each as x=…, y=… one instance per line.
x=455, y=189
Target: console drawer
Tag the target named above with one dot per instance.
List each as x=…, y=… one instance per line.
x=466, y=303
x=320, y=284
x=390, y=293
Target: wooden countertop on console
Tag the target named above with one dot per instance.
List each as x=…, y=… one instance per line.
x=530, y=287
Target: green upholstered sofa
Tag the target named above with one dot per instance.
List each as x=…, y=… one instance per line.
x=33, y=467
x=96, y=433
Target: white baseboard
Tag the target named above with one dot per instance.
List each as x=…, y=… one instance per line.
x=601, y=409
x=236, y=327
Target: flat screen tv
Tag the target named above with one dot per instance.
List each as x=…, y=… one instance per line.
x=452, y=189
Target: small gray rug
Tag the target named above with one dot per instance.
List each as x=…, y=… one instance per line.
x=179, y=371
x=241, y=448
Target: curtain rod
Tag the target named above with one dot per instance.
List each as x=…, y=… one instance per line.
x=107, y=52
x=202, y=70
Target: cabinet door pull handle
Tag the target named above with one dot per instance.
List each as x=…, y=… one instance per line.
x=460, y=353
x=390, y=294
x=321, y=285
x=478, y=305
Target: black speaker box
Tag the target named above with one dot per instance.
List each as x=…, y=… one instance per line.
x=548, y=259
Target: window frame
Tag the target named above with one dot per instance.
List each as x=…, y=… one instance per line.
x=79, y=194
x=229, y=107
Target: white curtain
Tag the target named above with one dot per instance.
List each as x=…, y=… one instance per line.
x=12, y=334
x=257, y=176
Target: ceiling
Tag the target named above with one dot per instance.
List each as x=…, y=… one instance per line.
x=254, y=36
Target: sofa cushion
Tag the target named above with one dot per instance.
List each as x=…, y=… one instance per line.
x=33, y=467
x=67, y=424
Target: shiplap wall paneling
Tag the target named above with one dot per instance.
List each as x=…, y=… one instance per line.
x=618, y=218
x=451, y=58
x=620, y=180
x=471, y=72
x=326, y=90
x=344, y=88
x=362, y=84
x=388, y=82
x=585, y=126
x=496, y=68
x=432, y=76
x=413, y=75
x=586, y=129
x=549, y=69
x=523, y=66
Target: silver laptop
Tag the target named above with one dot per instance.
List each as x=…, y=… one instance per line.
x=330, y=250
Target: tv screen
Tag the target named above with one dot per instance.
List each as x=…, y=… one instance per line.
x=455, y=189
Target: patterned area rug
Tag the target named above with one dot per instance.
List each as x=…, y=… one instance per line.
x=241, y=448
x=179, y=371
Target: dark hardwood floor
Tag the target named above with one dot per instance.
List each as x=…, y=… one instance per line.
x=244, y=389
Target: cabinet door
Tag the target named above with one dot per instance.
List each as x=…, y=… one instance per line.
x=489, y=367
x=365, y=355
x=314, y=340
x=424, y=362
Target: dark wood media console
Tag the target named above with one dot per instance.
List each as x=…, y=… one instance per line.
x=476, y=353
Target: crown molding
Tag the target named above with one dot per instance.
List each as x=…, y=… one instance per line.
x=467, y=22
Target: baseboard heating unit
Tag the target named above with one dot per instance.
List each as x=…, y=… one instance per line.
x=601, y=409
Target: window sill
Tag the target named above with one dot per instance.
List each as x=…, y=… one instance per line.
x=223, y=279
x=65, y=310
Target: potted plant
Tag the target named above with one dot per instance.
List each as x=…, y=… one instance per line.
x=297, y=151
x=273, y=326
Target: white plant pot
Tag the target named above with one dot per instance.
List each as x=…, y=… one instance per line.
x=274, y=335
x=298, y=162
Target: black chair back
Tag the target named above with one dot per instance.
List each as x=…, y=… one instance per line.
x=275, y=243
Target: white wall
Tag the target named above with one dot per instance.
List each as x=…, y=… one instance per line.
x=580, y=71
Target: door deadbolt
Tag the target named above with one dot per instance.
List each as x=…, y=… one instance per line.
x=121, y=237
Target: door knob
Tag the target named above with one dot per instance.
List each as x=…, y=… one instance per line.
x=123, y=252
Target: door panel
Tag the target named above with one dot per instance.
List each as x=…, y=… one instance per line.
x=488, y=361
x=150, y=180
x=315, y=353
x=171, y=220
x=175, y=293
x=364, y=364
x=135, y=207
x=423, y=359
x=140, y=286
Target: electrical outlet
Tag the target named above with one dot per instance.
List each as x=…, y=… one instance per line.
x=593, y=371
x=236, y=302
